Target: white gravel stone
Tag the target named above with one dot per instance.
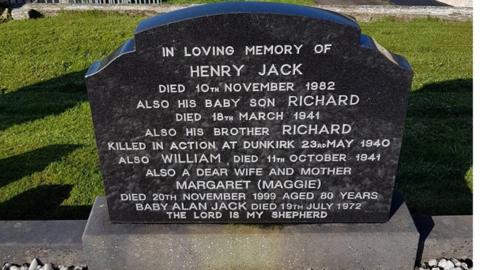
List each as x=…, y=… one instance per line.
x=445, y=264
x=456, y=262
x=435, y=268
x=448, y=265
x=4, y=14
x=432, y=262
x=20, y=14
x=38, y=265
x=34, y=264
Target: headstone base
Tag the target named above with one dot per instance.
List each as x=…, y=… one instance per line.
x=390, y=245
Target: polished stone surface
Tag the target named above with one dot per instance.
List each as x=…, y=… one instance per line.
x=373, y=83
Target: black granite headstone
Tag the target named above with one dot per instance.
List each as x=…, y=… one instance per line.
x=249, y=113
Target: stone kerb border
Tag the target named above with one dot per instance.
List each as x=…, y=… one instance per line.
x=59, y=241
x=360, y=12
x=55, y=241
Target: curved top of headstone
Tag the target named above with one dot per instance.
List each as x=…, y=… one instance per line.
x=226, y=8
x=244, y=7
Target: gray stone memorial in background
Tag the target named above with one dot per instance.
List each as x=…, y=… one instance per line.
x=249, y=113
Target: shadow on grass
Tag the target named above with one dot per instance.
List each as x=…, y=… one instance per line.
x=15, y=167
x=436, y=152
x=42, y=202
x=437, y=149
x=42, y=99
x=27, y=104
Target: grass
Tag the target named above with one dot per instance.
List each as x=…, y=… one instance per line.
x=48, y=160
x=435, y=164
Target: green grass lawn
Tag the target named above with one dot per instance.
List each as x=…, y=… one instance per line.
x=48, y=161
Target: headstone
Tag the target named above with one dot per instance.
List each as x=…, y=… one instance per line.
x=249, y=113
